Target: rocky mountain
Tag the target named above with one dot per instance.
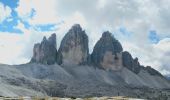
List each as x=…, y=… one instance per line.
x=74, y=47
x=107, y=52
x=45, y=52
x=72, y=71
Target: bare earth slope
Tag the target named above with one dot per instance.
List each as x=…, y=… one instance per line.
x=80, y=81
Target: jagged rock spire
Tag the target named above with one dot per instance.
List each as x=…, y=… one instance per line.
x=107, y=52
x=74, y=47
x=52, y=40
x=45, y=52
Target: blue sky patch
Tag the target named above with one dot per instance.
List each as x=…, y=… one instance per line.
x=11, y=3
x=48, y=27
x=153, y=37
x=124, y=31
x=9, y=25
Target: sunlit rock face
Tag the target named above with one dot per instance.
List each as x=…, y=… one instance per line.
x=74, y=47
x=111, y=61
x=107, y=52
x=45, y=52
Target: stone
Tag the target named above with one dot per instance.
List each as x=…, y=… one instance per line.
x=74, y=47
x=45, y=52
x=107, y=52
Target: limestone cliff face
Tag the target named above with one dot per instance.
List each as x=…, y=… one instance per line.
x=74, y=47
x=45, y=52
x=107, y=52
x=130, y=63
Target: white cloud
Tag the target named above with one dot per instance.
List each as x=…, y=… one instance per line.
x=10, y=48
x=101, y=4
x=38, y=11
x=162, y=54
x=5, y=12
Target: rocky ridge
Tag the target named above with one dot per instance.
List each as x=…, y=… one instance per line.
x=130, y=63
x=107, y=53
x=45, y=52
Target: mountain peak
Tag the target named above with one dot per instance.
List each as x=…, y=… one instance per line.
x=106, y=34
x=107, y=52
x=76, y=28
x=45, y=52
x=44, y=38
x=52, y=39
x=74, y=47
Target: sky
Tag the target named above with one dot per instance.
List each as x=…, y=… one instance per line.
x=142, y=26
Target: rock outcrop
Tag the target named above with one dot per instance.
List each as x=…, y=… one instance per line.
x=134, y=65
x=130, y=63
x=107, y=52
x=45, y=52
x=152, y=71
x=74, y=47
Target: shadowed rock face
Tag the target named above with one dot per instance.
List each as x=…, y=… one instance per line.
x=130, y=63
x=107, y=52
x=45, y=52
x=74, y=47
